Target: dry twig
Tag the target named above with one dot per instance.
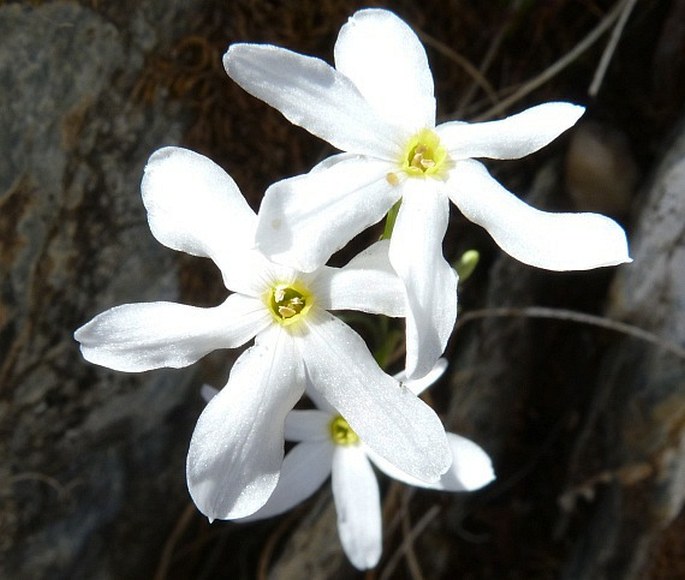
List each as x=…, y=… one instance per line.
x=423, y=522
x=572, y=316
x=559, y=65
x=462, y=61
x=610, y=48
x=167, y=557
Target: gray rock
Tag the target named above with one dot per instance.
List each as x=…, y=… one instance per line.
x=636, y=428
x=90, y=460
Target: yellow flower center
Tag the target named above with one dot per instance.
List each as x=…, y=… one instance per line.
x=423, y=156
x=342, y=433
x=289, y=302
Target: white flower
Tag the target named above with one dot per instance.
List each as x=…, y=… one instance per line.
x=237, y=448
x=328, y=446
x=377, y=105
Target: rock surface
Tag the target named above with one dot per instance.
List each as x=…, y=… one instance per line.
x=84, y=476
x=639, y=406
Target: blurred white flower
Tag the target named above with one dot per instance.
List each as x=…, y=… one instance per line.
x=236, y=450
x=377, y=105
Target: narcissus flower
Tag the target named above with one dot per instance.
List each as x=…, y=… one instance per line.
x=236, y=450
x=327, y=445
x=377, y=106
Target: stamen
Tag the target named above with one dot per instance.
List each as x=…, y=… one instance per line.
x=288, y=302
x=425, y=156
x=392, y=178
x=421, y=158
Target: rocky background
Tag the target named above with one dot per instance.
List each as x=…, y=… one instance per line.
x=584, y=418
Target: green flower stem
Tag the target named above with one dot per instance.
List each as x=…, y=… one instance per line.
x=390, y=221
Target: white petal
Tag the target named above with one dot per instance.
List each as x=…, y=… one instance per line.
x=307, y=425
x=471, y=468
x=208, y=392
x=305, y=468
x=252, y=273
x=305, y=219
x=554, y=241
x=152, y=335
x=387, y=62
x=194, y=206
x=236, y=451
x=312, y=94
x=319, y=401
x=385, y=415
x=358, y=506
x=510, y=138
x=417, y=386
x=367, y=283
x=430, y=282
x=332, y=160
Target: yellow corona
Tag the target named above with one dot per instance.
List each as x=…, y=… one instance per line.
x=342, y=433
x=424, y=156
x=289, y=303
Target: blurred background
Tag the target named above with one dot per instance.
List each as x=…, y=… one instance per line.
x=584, y=417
